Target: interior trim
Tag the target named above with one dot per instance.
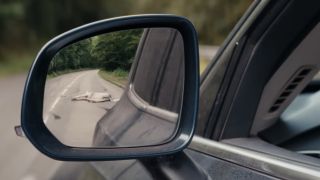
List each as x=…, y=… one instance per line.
x=304, y=57
x=274, y=166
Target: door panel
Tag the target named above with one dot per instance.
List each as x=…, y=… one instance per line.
x=220, y=169
x=178, y=168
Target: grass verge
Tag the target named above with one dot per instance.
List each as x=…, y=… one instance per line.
x=118, y=77
x=15, y=64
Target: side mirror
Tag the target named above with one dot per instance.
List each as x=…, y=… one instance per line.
x=119, y=88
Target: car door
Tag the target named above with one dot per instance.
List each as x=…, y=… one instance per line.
x=225, y=147
x=270, y=50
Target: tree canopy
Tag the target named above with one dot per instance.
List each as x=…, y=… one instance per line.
x=27, y=24
x=117, y=49
x=110, y=51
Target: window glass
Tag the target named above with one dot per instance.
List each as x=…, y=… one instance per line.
x=213, y=20
x=27, y=25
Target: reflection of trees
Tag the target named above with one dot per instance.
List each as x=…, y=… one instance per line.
x=75, y=56
x=109, y=51
x=116, y=50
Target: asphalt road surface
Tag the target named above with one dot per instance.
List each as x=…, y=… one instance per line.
x=18, y=158
x=73, y=122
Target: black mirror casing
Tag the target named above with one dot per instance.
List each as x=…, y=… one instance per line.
x=32, y=104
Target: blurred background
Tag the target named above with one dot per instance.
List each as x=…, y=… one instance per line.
x=26, y=25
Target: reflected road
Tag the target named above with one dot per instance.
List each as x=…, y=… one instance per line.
x=73, y=122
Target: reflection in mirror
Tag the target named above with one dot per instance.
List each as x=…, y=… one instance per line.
x=119, y=89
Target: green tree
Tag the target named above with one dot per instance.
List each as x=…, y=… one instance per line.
x=213, y=19
x=117, y=50
x=48, y=18
x=110, y=51
x=74, y=56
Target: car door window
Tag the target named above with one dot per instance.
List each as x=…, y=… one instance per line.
x=37, y=21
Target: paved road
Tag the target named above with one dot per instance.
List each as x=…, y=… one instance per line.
x=73, y=122
x=18, y=158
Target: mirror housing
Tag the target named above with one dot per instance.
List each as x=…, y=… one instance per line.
x=32, y=104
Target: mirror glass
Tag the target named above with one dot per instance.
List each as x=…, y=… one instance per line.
x=118, y=89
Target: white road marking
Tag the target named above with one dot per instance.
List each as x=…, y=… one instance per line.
x=54, y=104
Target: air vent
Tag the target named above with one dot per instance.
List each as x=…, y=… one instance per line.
x=289, y=88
